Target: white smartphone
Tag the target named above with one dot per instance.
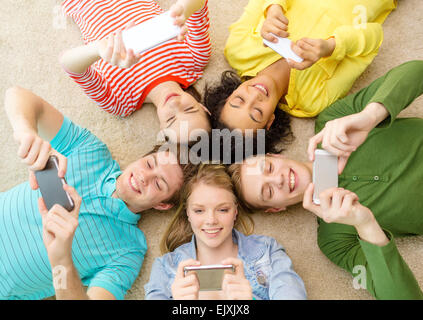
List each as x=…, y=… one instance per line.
x=150, y=33
x=325, y=172
x=283, y=47
x=210, y=277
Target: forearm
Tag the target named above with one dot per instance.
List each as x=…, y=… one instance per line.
x=371, y=232
x=191, y=6
x=67, y=283
x=376, y=113
x=23, y=109
x=79, y=59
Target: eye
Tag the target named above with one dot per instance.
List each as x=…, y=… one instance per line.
x=224, y=210
x=269, y=167
x=198, y=211
x=149, y=165
x=188, y=109
x=239, y=98
x=257, y=113
x=170, y=119
x=158, y=185
x=270, y=193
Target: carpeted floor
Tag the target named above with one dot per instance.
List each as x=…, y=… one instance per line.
x=31, y=40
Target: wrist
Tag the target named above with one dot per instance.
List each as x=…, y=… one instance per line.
x=61, y=262
x=330, y=47
x=272, y=10
x=376, y=113
x=371, y=232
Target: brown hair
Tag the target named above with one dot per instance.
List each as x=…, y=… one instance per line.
x=234, y=171
x=179, y=229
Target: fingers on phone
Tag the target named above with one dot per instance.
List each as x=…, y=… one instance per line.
x=42, y=206
x=190, y=262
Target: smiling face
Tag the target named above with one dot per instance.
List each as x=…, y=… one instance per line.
x=251, y=105
x=212, y=213
x=273, y=181
x=148, y=182
x=179, y=111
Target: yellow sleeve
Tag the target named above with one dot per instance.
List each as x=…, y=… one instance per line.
x=354, y=42
x=282, y=3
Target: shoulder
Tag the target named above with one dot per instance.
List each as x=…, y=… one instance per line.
x=258, y=246
x=172, y=259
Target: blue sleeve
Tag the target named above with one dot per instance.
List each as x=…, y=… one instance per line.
x=158, y=287
x=118, y=276
x=285, y=283
x=72, y=137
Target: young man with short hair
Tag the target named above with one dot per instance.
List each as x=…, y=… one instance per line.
x=380, y=183
x=98, y=244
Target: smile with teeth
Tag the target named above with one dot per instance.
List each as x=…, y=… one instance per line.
x=291, y=180
x=134, y=184
x=261, y=88
x=211, y=231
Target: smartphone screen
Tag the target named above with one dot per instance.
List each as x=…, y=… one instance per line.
x=325, y=173
x=51, y=186
x=150, y=33
x=210, y=277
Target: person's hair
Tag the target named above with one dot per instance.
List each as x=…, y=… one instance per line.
x=215, y=97
x=179, y=230
x=234, y=171
x=188, y=169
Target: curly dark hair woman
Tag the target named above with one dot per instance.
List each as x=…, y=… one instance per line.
x=277, y=123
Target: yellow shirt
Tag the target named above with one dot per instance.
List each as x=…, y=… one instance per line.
x=355, y=24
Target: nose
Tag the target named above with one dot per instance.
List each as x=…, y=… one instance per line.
x=279, y=180
x=211, y=217
x=145, y=178
x=254, y=94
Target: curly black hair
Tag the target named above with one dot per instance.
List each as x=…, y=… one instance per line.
x=215, y=97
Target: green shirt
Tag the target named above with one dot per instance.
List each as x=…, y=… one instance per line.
x=386, y=172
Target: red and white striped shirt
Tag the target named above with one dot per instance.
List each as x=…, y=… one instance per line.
x=122, y=91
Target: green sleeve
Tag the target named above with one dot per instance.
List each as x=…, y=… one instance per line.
x=395, y=90
x=386, y=273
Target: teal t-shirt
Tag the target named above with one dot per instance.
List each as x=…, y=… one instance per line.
x=108, y=248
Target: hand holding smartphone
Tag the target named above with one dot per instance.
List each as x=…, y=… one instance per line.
x=210, y=277
x=150, y=33
x=325, y=172
x=51, y=186
x=283, y=48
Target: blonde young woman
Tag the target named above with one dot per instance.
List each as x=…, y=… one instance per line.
x=209, y=228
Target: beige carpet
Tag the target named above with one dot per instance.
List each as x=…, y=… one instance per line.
x=31, y=39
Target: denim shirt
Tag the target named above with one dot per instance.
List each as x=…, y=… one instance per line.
x=266, y=266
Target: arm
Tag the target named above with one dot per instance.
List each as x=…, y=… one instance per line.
x=157, y=286
x=284, y=282
x=198, y=37
x=59, y=228
x=28, y=112
x=353, y=41
x=387, y=275
x=348, y=122
x=30, y=117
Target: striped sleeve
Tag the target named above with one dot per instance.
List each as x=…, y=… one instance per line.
x=98, y=89
x=198, y=37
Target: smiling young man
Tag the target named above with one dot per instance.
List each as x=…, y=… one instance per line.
x=380, y=182
x=98, y=244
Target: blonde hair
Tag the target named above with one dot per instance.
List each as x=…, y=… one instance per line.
x=179, y=229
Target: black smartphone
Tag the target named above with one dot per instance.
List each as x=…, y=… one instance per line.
x=51, y=186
